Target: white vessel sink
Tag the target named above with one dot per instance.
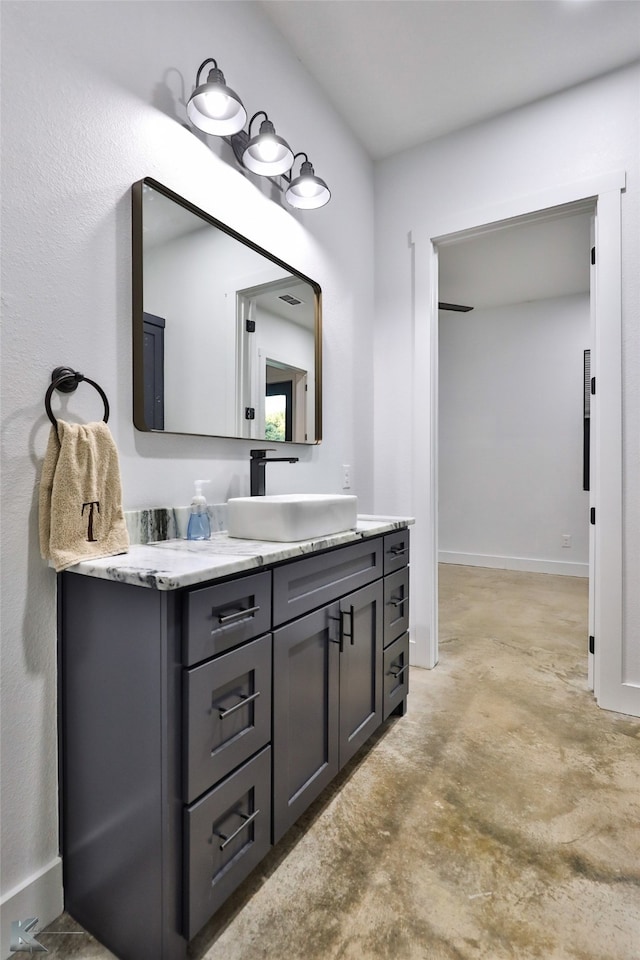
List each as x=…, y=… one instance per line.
x=291, y=516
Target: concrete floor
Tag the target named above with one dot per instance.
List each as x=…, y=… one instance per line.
x=498, y=819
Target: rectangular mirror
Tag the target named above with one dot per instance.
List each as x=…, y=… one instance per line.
x=227, y=338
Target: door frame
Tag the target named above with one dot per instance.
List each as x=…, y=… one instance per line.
x=605, y=191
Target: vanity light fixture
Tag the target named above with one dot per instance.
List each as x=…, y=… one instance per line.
x=213, y=106
x=307, y=191
x=267, y=153
x=216, y=109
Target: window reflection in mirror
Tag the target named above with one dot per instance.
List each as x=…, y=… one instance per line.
x=227, y=338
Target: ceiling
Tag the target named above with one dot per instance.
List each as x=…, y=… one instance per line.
x=526, y=261
x=165, y=221
x=401, y=72
x=303, y=312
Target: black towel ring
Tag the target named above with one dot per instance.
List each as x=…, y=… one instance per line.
x=66, y=380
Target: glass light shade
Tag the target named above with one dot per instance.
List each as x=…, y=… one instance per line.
x=307, y=192
x=216, y=108
x=267, y=154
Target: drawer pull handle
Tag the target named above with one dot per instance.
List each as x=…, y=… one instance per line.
x=236, y=706
x=398, y=551
x=238, y=615
x=248, y=818
x=399, y=672
x=398, y=603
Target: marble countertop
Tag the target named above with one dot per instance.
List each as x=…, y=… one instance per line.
x=171, y=564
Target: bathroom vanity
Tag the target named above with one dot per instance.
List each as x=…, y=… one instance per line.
x=209, y=693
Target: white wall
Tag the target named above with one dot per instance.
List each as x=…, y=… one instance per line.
x=199, y=336
x=93, y=100
x=587, y=131
x=510, y=428
x=201, y=324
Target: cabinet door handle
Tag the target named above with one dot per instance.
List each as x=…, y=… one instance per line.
x=398, y=551
x=398, y=603
x=343, y=632
x=340, y=639
x=399, y=672
x=248, y=818
x=238, y=615
x=236, y=706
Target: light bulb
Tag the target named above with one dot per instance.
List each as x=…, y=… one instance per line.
x=307, y=188
x=268, y=149
x=216, y=104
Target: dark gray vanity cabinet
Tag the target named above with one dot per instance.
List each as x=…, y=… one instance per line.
x=197, y=724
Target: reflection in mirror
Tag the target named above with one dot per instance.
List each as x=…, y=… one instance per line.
x=227, y=338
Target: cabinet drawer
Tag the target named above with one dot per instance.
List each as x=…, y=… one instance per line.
x=396, y=550
x=395, y=675
x=304, y=585
x=227, y=704
x=224, y=615
x=226, y=834
x=396, y=605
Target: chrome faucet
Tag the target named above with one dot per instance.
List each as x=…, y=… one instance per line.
x=259, y=462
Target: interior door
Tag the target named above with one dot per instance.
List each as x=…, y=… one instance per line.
x=247, y=417
x=153, y=358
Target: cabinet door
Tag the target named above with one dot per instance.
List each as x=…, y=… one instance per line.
x=305, y=713
x=361, y=615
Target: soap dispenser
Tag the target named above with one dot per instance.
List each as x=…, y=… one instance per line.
x=199, y=527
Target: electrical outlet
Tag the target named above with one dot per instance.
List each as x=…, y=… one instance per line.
x=346, y=476
x=566, y=539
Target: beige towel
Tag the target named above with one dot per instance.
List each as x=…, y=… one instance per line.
x=81, y=515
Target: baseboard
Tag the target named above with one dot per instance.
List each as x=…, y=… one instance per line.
x=526, y=564
x=40, y=896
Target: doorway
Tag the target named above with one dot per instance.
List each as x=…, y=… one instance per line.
x=276, y=347
x=613, y=689
x=514, y=326
x=278, y=414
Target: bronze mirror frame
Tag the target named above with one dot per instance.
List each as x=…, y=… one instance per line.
x=137, y=193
